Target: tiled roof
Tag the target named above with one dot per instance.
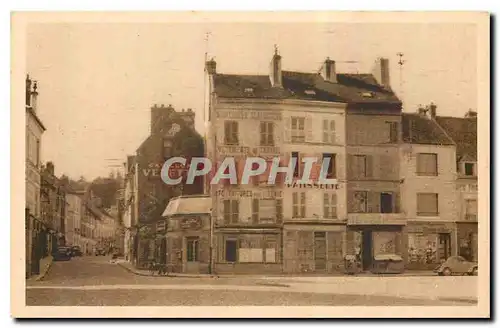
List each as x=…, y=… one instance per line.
x=196, y=204
x=419, y=129
x=350, y=88
x=463, y=131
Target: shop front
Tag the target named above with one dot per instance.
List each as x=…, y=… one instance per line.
x=248, y=250
x=313, y=248
x=467, y=240
x=430, y=243
x=375, y=245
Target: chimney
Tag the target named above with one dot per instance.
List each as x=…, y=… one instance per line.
x=275, y=69
x=34, y=96
x=328, y=71
x=471, y=114
x=211, y=67
x=432, y=110
x=381, y=72
x=28, y=90
x=159, y=114
x=422, y=111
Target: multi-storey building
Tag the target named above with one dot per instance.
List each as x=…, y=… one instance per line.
x=463, y=131
x=129, y=208
x=293, y=227
x=172, y=134
x=428, y=184
x=73, y=217
x=34, y=226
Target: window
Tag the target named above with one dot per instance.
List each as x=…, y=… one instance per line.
x=266, y=134
x=231, y=250
x=295, y=155
x=267, y=210
x=37, y=152
x=192, y=249
x=385, y=242
x=427, y=164
x=330, y=205
x=231, y=211
x=299, y=204
x=471, y=209
x=167, y=147
x=360, y=202
x=393, y=132
x=329, y=131
x=360, y=166
x=469, y=169
x=231, y=133
x=427, y=204
x=298, y=129
x=332, y=167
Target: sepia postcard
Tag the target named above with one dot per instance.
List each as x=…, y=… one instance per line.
x=198, y=165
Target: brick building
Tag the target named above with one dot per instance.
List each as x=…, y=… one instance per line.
x=172, y=134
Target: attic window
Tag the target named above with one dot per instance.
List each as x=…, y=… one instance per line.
x=310, y=92
x=249, y=90
x=367, y=94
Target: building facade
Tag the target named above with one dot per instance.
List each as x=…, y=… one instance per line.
x=298, y=115
x=73, y=218
x=34, y=225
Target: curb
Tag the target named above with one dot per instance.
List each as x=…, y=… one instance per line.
x=43, y=271
x=168, y=275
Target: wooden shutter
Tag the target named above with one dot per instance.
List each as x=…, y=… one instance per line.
x=373, y=202
x=303, y=204
x=255, y=211
x=295, y=205
x=263, y=134
x=235, y=212
x=309, y=128
x=326, y=205
x=270, y=134
x=397, y=201
x=326, y=134
x=333, y=135
x=287, y=126
x=279, y=211
x=235, y=132
x=333, y=205
x=350, y=167
x=227, y=211
x=369, y=166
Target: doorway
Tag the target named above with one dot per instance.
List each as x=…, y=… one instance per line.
x=386, y=202
x=444, y=250
x=366, y=254
x=320, y=251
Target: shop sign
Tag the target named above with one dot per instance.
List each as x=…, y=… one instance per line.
x=191, y=223
x=314, y=185
x=429, y=228
x=250, y=115
x=231, y=150
x=264, y=194
x=467, y=187
x=375, y=219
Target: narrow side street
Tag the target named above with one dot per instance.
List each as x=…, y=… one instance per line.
x=96, y=281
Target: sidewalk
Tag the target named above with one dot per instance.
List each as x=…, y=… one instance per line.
x=307, y=277
x=45, y=265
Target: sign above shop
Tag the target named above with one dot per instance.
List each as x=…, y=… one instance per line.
x=251, y=115
x=375, y=219
x=193, y=223
x=261, y=194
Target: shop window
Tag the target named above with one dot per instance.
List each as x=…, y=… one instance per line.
x=250, y=249
x=299, y=205
x=385, y=242
x=427, y=204
x=423, y=248
x=192, y=249
x=427, y=164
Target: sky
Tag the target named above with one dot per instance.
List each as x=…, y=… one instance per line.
x=98, y=81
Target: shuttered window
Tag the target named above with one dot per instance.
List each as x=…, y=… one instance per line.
x=427, y=164
x=329, y=135
x=231, y=211
x=231, y=133
x=299, y=204
x=298, y=129
x=393, y=132
x=266, y=134
x=427, y=204
x=362, y=166
x=330, y=205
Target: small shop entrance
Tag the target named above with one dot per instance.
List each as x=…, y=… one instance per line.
x=367, y=249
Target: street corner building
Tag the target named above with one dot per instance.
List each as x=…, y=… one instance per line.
x=189, y=234
x=145, y=195
x=406, y=182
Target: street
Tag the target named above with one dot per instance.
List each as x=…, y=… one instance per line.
x=95, y=281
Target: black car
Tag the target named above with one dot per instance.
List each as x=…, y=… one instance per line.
x=62, y=254
x=76, y=251
x=100, y=251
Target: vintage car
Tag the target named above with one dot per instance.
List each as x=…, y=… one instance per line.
x=456, y=265
x=62, y=254
x=76, y=251
x=100, y=251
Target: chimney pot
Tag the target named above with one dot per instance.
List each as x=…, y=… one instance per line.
x=328, y=71
x=432, y=110
x=381, y=72
x=211, y=67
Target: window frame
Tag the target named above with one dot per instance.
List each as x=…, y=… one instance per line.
x=266, y=133
x=231, y=132
x=420, y=213
x=332, y=169
x=195, y=252
x=472, y=164
x=419, y=169
x=234, y=216
x=298, y=129
x=299, y=200
x=329, y=206
x=329, y=132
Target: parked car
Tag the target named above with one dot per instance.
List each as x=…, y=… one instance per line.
x=456, y=265
x=76, y=251
x=62, y=254
x=100, y=251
